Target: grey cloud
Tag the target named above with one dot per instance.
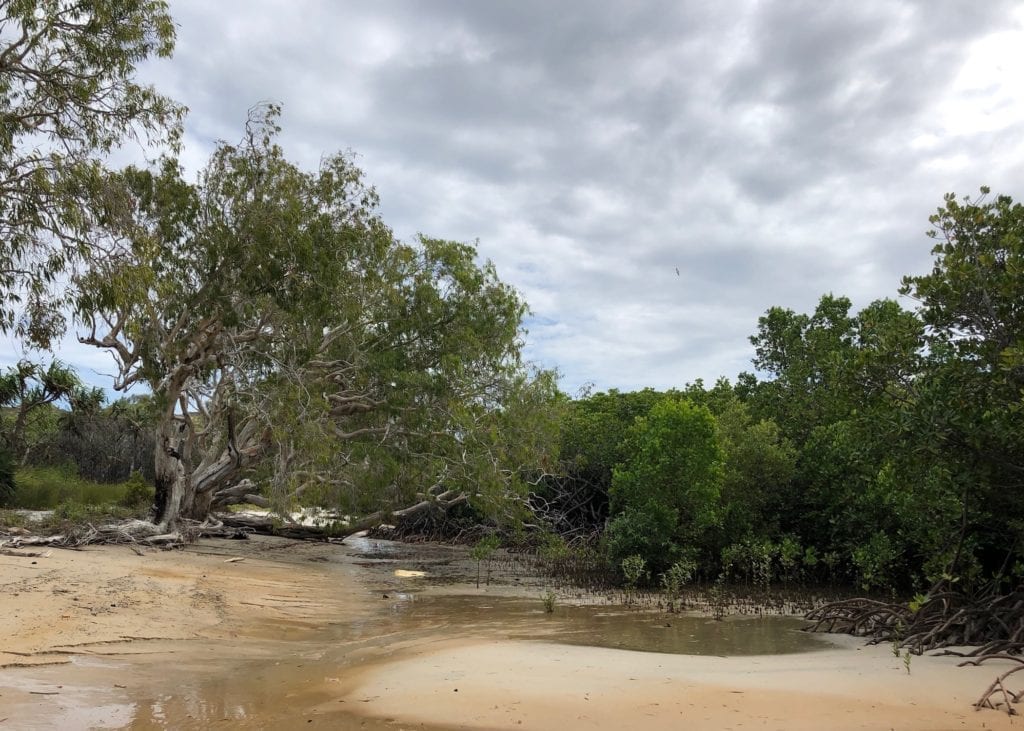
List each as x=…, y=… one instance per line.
x=769, y=150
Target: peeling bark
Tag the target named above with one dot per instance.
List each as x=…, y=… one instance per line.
x=171, y=476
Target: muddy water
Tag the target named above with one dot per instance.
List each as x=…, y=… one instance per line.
x=278, y=680
x=603, y=626
x=421, y=606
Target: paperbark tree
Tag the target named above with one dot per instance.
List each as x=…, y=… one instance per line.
x=289, y=338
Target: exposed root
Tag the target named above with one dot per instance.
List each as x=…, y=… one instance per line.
x=998, y=689
x=991, y=625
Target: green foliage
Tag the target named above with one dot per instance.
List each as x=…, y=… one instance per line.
x=330, y=359
x=675, y=578
x=548, y=599
x=883, y=445
x=138, y=493
x=106, y=444
x=75, y=513
x=789, y=554
x=645, y=530
x=759, y=466
x=28, y=391
x=68, y=97
x=875, y=562
x=12, y=519
x=968, y=405
x=482, y=551
x=810, y=558
x=46, y=488
x=634, y=571
x=552, y=548
x=971, y=298
x=667, y=491
x=485, y=547
x=594, y=432
x=592, y=441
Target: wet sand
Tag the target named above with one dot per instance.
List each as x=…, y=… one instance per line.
x=301, y=635
x=550, y=686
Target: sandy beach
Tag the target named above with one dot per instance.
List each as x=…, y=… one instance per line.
x=279, y=634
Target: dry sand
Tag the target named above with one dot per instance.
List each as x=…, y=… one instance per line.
x=294, y=636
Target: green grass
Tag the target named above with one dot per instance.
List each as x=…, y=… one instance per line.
x=69, y=518
x=46, y=488
x=75, y=501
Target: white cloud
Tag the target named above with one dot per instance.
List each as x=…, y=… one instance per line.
x=772, y=152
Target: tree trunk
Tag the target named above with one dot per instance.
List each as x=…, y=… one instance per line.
x=197, y=505
x=19, y=449
x=171, y=476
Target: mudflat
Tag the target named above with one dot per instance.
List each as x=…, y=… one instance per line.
x=279, y=634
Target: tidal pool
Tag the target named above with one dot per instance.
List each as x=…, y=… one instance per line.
x=603, y=626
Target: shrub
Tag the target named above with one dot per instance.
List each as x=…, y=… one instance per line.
x=874, y=562
x=668, y=489
x=137, y=492
x=647, y=531
x=634, y=569
x=675, y=578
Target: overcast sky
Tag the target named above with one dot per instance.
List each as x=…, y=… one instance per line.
x=769, y=151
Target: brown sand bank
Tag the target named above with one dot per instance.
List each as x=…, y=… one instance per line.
x=319, y=636
x=107, y=600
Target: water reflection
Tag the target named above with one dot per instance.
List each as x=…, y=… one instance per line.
x=599, y=626
x=308, y=677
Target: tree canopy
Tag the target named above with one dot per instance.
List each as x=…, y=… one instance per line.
x=68, y=97
x=882, y=446
x=286, y=334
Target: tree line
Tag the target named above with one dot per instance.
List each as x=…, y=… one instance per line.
x=882, y=447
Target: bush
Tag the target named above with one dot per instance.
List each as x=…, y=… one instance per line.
x=105, y=446
x=70, y=515
x=676, y=577
x=137, y=492
x=634, y=569
x=875, y=561
x=646, y=531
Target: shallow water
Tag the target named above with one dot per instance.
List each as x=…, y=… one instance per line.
x=602, y=626
x=276, y=679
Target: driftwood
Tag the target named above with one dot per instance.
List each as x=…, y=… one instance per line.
x=430, y=508
x=273, y=526
x=132, y=532
x=992, y=625
x=24, y=554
